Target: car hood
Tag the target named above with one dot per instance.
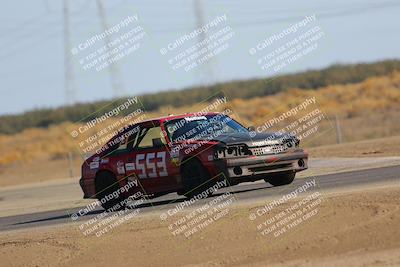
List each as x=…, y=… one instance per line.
x=253, y=139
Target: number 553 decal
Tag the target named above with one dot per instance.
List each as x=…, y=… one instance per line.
x=149, y=165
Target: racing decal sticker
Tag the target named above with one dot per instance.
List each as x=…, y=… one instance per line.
x=174, y=154
x=105, y=160
x=94, y=165
x=149, y=165
x=120, y=167
x=193, y=118
x=140, y=166
x=161, y=164
x=130, y=166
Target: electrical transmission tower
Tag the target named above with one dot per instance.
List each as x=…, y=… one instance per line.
x=116, y=82
x=69, y=84
x=206, y=70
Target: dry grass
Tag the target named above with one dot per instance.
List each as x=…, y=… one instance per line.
x=367, y=110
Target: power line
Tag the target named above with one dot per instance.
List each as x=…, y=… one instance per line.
x=69, y=85
x=322, y=15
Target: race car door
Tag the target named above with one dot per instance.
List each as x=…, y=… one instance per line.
x=150, y=162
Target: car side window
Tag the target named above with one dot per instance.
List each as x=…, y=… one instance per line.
x=122, y=145
x=123, y=142
x=133, y=136
x=151, y=137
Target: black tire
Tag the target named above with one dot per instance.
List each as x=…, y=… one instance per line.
x=106, y=184
x=281, y=178
x=195, y=179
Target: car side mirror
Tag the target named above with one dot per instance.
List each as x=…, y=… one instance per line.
x=251, y=128
x=157, y=142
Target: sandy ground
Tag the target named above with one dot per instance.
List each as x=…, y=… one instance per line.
x=321, y=166
x=381, y=147
x=352, y=228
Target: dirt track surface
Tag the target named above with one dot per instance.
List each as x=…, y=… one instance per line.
x=243, y=193
x=355, y=223
x=356, y=227
x=66, y=194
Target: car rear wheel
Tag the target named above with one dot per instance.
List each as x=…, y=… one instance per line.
x=282, y=178
x=106, y=184
x=195, y=179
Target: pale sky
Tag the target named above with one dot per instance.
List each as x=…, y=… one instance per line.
x=32, y=44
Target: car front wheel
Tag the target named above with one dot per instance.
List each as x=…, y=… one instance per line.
x=107, y=192
x=196, y=179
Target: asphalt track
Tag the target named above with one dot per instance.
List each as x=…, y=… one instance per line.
x=248, y=192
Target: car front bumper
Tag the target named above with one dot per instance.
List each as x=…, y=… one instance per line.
x=295, y=160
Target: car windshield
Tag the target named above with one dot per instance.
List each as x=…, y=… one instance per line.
x=201, y=127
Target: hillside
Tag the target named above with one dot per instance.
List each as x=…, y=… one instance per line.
x=309, y=80
x=369, y=109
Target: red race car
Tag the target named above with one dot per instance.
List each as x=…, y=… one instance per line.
x=187, y=154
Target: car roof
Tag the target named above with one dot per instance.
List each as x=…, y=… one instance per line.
x=180, y=116
x=165, y=118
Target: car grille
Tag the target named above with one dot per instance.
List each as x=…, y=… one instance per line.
x=269, y=149
x=270, y=167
